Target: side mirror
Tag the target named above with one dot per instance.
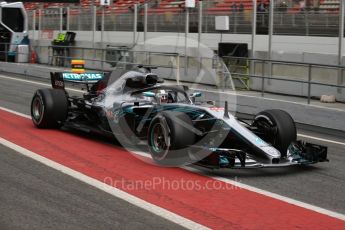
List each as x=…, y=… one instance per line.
x=196, y=94
x=149, y=94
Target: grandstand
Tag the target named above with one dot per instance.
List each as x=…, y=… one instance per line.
x=296, y=19
x=226, y=5
x=172, y=6
x=329, y=5
x=176, y=6
x=120, y=6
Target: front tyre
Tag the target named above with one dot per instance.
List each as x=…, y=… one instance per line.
x=278, y=127
x=49, y=108
x=169, y=136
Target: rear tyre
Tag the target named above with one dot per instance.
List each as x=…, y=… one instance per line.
x=49, y=108
x=169, y=136
x=278, y=127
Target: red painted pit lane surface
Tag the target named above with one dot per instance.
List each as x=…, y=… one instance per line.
x=223, y=207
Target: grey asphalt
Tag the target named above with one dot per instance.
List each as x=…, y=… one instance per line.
x=322, y=185
x=34, y=196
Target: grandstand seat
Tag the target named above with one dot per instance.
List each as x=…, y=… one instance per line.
x=120, y=6
x=329, y=5
x=171, y=6
x=176, y=6
x=224, y=6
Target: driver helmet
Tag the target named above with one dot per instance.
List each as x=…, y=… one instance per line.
x=163, y=97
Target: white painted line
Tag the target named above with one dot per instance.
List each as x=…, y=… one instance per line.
x=321, y=139
x=271, y=194
x=16, y=113
x=170, y=216
x=260, y=191
x=257, y=190
x=38, y=83
x=41, y=67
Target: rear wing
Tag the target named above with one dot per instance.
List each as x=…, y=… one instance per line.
x=58, y=79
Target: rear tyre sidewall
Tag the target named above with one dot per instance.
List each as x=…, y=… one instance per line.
x=53, y=106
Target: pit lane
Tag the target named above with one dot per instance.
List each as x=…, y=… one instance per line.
x=321, y=185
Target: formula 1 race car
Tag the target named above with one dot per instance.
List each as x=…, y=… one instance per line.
x=135, y=107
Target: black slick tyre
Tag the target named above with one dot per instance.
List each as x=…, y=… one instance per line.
x=279, y=128
x=169, y=136
x=49, y=108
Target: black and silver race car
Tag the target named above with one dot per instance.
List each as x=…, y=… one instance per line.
x=135, y=107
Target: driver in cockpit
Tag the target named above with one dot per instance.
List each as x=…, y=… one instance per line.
x=165, y=97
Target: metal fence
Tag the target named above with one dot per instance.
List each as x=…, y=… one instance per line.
x=178, y=68
x=171, y=66
x=78, y=19
x=262, y=72
x=302, y=23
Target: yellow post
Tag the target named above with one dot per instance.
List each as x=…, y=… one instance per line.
x=78, y=66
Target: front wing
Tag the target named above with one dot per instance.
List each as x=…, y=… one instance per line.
x=298, y=153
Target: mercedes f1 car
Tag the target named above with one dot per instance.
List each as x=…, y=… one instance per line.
x=135, y=106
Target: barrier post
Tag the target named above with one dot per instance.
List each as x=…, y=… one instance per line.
x=67, y=18
x=340, y=44
x=186, y=40
x=102, y=27
x=199, y=34
x=60, y=19
x=200, y=22
x=135, y=23
x=252, y=63
x=50, y=55
x=178, y=69
x=34, y=23
x=39, y=28
x=206, y=23
x=103, y=59
x=270, y=35
x=39, y=23
x=93, y=25
x=263, y=78
x=309, y=83
x=306, y=19
x=145, y=22
x=155, y=22
x=79, y=17
x=235, y=21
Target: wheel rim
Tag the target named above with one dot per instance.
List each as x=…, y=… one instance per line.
x=159, y=141
x=268, y=126
x=37, y=109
